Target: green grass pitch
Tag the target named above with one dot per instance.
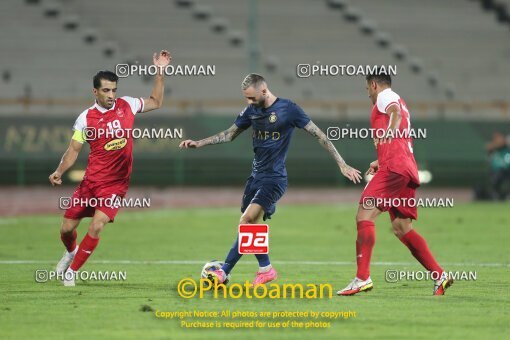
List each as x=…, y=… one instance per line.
x=470, y=237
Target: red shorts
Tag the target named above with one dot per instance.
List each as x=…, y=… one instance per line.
x=90, y=196
x=392, y=192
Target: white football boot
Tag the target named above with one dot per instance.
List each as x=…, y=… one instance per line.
x=69, y=277
x=65, y=261
x=357, y=286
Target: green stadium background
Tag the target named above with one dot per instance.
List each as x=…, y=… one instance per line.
x=453, y=152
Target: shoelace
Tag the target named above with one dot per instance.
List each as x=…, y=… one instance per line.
x=351, y=286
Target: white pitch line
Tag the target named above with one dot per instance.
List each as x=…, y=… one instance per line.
x=314, y=263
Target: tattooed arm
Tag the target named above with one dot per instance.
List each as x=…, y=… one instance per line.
x=347, y=171
x=223, y=137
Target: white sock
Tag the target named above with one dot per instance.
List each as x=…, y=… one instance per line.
x=265, y=269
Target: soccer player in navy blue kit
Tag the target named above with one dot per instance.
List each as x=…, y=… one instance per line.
x=273, y=121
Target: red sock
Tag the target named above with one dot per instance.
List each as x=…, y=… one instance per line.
x=69, y=240
x=87, y=246
x=364, y=245
x=418, y=247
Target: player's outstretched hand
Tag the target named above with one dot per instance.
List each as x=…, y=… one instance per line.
x=55, y=178
x=188, y=144
x=374, y=166
x=162, y=59
x=353, y=174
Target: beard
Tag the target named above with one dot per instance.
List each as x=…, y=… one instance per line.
x=107, y=104
x=260, y=103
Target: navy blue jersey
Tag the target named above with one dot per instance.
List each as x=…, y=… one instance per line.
x=272, y=131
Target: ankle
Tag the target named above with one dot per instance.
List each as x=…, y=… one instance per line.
x=265, y=269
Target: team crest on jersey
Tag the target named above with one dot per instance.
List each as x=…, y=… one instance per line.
x=115, y=144
x=120, y=113
x=272, y=117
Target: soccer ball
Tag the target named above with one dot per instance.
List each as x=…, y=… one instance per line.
x=212, y=265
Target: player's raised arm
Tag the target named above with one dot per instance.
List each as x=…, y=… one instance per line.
x=155, y=101
x=67, y=161
x=223, y=137
x=348, y=171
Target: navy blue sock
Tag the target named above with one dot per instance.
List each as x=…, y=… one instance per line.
x=232, y=257
x=263, y=260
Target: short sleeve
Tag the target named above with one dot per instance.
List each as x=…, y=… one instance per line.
x=79, y=126
x=243, y=120
x=136, y=104
x=385, y=99
x=298, y=117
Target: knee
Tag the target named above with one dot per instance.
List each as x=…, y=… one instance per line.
x=400, y=229
x=96, y=227
x=366, y=214
x=397, y=231
x=67, y=227
x=360, y=216
x=246, y=219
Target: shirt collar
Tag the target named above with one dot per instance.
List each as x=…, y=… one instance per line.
x=102, y=109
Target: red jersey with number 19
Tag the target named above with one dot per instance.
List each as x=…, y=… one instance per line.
x=396, y=156
x=108, y=132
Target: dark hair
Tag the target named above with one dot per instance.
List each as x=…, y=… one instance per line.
x=105, y=75
x=380, y=76
x=252, y=79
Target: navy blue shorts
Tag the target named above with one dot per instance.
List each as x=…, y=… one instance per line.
x=265, y=192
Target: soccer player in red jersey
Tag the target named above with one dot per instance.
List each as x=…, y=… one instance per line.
x=396, y=178
x=105, y=126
